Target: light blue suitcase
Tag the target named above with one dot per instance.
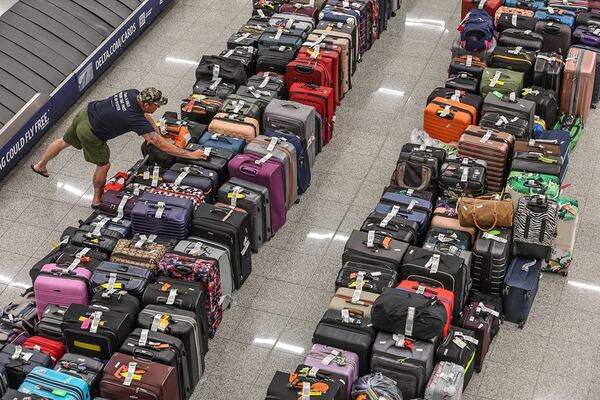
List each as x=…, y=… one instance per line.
x=54, y=385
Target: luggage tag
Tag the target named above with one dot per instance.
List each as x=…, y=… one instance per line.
x=411, y=205
x=459, y=342
x=456, y=96
x=228, y=54
x=71, y=266
x=143, y=338
x=207, y=151
x=330, y=357
x=272, y=144
x=356, y=295
x=111, y=285
x=243, y=37
x=550, y=10
x=433, y=264
x=398, y=339
x=487, y=310
x=482, y=4
x=501, y=121
x=371, y=239
x=528, y=265
x=469, y=61
x=96, y=318
x=345, y=316
x=527, y=32
x=181, y=176
x=160, y=323
x=410, y=319
x=162, y=124
x=289, y=23
x=264, y=159
x=514, y=20
x=487, y=136
x=513, y=97
x=487, y=235
x=496, y=79
x=279, y=33
x=305, y=391
x=98, y=227
x=465, y=174
x=393, y=212
x=130, y=373
x=238, y=105
x=596, y=32
x=171, y=297
x=445, y=111
x=246, y=245
x=160, y=209
x=155, y=176
x=234, y=195
x=516, y=50
x=313, y=372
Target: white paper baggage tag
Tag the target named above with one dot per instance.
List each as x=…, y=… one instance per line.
x=498, y=239
x=228, y=54
x=515, y=119
x=488, y=310
x=72, y=266
x=470, y=339
x=330, y=357
x=516, y=50
x=278, y=34
x=234, y=195
x=130, y=372
x=469, y=61
x=465, y=174
x=96, y=317
x=272, y=144
x=37, y=348
x=495, y=78
x=360, y=279
x=305, y=391
x=458, y=341
x=181, y=176
x=17, y=354
x=155, y=322
x=261, y=13
x=433, y=264
x=146, y=175
x=155, y=176
x=136, y=189
x=371, y=239
x=162, y=125
x=385, y=221
x=512, y=96
x=246, y=245
x=345, y=4
x=216, y=71
x=289, y=23
x=112, y=280
x=82, y=253
x=240, y=39
x=143, y=337
x=264, y=159
x=356, y=295
x=171, y=297
x=411, y=205
x=501, y=121
x=410, y=320
x=313, y=372
x=345, y=315
x=398, y=339
x=207, y=151
x=238, y=105
x=550, y=10
x=445, y=111
x=214, y=84
x=487, y=136
x=596, y=32
x=514, y=20
x=482, y=4
x=160, y=210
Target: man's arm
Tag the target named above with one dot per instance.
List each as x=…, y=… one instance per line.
x=156, y=139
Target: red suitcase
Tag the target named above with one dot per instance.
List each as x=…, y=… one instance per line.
x=55, y=350
x=307, y=70
x=334, y=53
x=129, y=377
x=491, y=6
x=446, y=297
x=300, y=9
x=322, y=99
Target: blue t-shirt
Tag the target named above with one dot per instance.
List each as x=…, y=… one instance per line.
x=117, y=115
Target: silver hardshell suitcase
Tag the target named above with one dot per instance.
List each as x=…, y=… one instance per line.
x=446, y=382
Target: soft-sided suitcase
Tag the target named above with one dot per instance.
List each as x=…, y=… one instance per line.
x=418, y=168
x=463, y=81
x=293, y=117
x=520, y=287
x=112, y=276
x=355, y=298
x=222, y=142
x=55, y=385
x=217, y=67
x=548, y=71
x=99, y=221
x=200, y=108
x=161, y=348
x=49, y=326
x=18, y=362
x=322, y=99
x=398, y=227
x=491, y=255
x=514, y=37
x=54, y=349
x=370, y=277
x=521, y=184
x=564, y=243
x=408, y=362
x=336, y=361
x=491, y=6
x=302, y=160
x=374, y=247
x=557, y=37
x=446, y=297
x=127, y=376
x=145, y=255
x=286, y=386
x=447, y=119
x=480, y=318
x=446, y=382
x=518, y=21
x=119, y=300
x=183, y=325
x=459, y=347
x=61, y=285
x=492, y=146
x=586, y=35
x=438, y=270
x=469, y=64
x=514, y=59
x=228, y=227
x=334, y=54
x=546, y=103
x=510, y=106
x=577, y=87
x=502, y=80
x=463, y=177
x=86, y=368
x=266, y=173
x=348, y=331
x=410, y=207
x=445, y=215
x=535, y=227
x=576, y=6
x=526, y=4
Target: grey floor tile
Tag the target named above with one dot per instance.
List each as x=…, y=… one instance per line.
x=10, y=266
x=296, y=338
x=507, y=382
x=293, y=267
x=310, y=239
x=64, y=188
x=12, y=204
x=576, y=325
x=242, y=358
x=325, y=273
x=594, y=391
x=45, y=213
x=312, y=304
x=517, y=347
x=245, y=295
x=325, y=213
x=277, y=361
x=555, y=386
x=23, y=239
x=570, y=359
x=354, y=218
x=278, y=297
x=259, y=328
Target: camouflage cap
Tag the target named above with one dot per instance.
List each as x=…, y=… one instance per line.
x=153, y=95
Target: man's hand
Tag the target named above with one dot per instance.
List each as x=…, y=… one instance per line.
x=159, y=142
x=196, y=155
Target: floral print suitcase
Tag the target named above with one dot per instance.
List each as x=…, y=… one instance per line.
x=562, y=253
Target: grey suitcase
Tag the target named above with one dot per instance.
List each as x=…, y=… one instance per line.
x=264, y=194
x=504, y=105
x=458, y=51
x=197, y=247
x=301, y=22
x=286, y=153
x=410, y=368
x=296, y=118
x=446, y=382
x=252, y=202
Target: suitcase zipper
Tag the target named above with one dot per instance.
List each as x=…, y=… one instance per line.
x=136, y=390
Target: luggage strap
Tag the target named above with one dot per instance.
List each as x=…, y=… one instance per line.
x=144, y=239
x=99, y=225
x=160, y=209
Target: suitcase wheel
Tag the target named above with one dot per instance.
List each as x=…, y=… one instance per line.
x=521, y=324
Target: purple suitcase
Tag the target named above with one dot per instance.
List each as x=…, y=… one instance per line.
x=158, y=214
x=269, y=174
x=62, y=285
x=117, y=204
x=334, y=360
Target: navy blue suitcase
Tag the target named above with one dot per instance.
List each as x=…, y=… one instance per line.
x=157, y=214
x=303, y=165
x=520, y=287
x=129, y=278
x=563, y=139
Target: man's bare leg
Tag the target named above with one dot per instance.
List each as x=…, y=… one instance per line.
x=99, y=181
x=52, y=151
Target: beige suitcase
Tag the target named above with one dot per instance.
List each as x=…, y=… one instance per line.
x=343, y=299
x=235, y=125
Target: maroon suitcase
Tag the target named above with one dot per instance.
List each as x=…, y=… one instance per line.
x=129, y=377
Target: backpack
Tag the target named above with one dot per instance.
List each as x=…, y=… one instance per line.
x=477, y=31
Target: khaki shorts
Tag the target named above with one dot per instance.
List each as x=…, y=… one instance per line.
x=80, y=136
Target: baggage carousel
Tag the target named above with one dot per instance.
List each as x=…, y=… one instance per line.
x=51, y=51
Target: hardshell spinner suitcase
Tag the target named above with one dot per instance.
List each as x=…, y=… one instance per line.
x=161, y=348
x=61, y=285
x=492, y=146
x=235, y=125
x=564, y=243
x=548, y=71
x=337, y=361
x=479, y=318
x=520, y=287
x=515, y=126
x=491, y=255
x=596, y=95
x=230, y=228
x=447, y=119
x=459, y=347
x=446, y=382
x=546, y=103
x=381, y=249
x=47, y=382
x=577, y=87
x=535, y=227
x=341, y=44
x=347, y=331
x=408, y=362
x=119, y=300
x=156, y=381
x=86, y=368
x=183, y=325
x=462, y=96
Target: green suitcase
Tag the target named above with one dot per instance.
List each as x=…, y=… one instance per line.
x=521, y=184
x=573, y=125
x=502, y=80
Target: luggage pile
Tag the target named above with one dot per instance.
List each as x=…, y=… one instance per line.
x=125, y=304
x=457, y=242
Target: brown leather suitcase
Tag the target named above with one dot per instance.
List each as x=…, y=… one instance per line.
x=492, y=146
x=146, y=380
x=578, y=83
x=235, y=125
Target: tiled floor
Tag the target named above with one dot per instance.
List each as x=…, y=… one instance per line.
x=270, y=326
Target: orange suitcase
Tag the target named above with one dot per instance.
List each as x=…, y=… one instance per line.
x=446, y=119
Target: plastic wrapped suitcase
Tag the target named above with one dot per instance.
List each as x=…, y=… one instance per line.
x=479, y=318
x=557, y=37
x=491, y=255
x=112, y=276
x=492, y=146
x=348, y=331
x=86, y=368
x=577, y=88
x=44, y=382
x=408, y=362
x=336, y=361
x=157, y=380
x=182, y=325
x=447, y=119
x=371, y=277
x=61, y=285
x=520, y=288
x=459, y=347
x=398, y=227
x=564, y=243
x=381, y=249
x=161, y=348
x=446, y=382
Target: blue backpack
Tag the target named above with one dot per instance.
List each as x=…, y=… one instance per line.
x=477, y=31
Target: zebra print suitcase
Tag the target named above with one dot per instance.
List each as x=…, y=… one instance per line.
x=535, y=227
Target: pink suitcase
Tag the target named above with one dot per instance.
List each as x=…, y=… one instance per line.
x=62, y=285
x=269, y=173
x=334, y=360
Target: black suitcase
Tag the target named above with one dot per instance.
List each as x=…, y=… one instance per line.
x=546, y=103
x=352, y=332
x=242, y=39
x=164, y=349
x=120, y=301
x=459, y=347
x=548, y=70
x=65, y=254
x=384, y=250
x=216, y=160
x=50, y=325
x=436, y=236
x=438, y=270
x=275, y=59
x=515, y=59
x=459, y=65
x=121, y=277
x=214, y=88
x=463, y=177
x=270, y=82
x=230, y=228
x=463, y=81
x=94, y=332
x=183, y=325
x=518, y=127
x=12, y=394
x=194, y=175
x=82, y=237
x=529, y=40
x=86, y=368
x=244, y=54
x=399, y=228
x=491, y=255
x=281, y=389
x=424, y=195
x=461, y=96
x=18, y=362
x=375, y=278
x=519, y=21
x=188, y=296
